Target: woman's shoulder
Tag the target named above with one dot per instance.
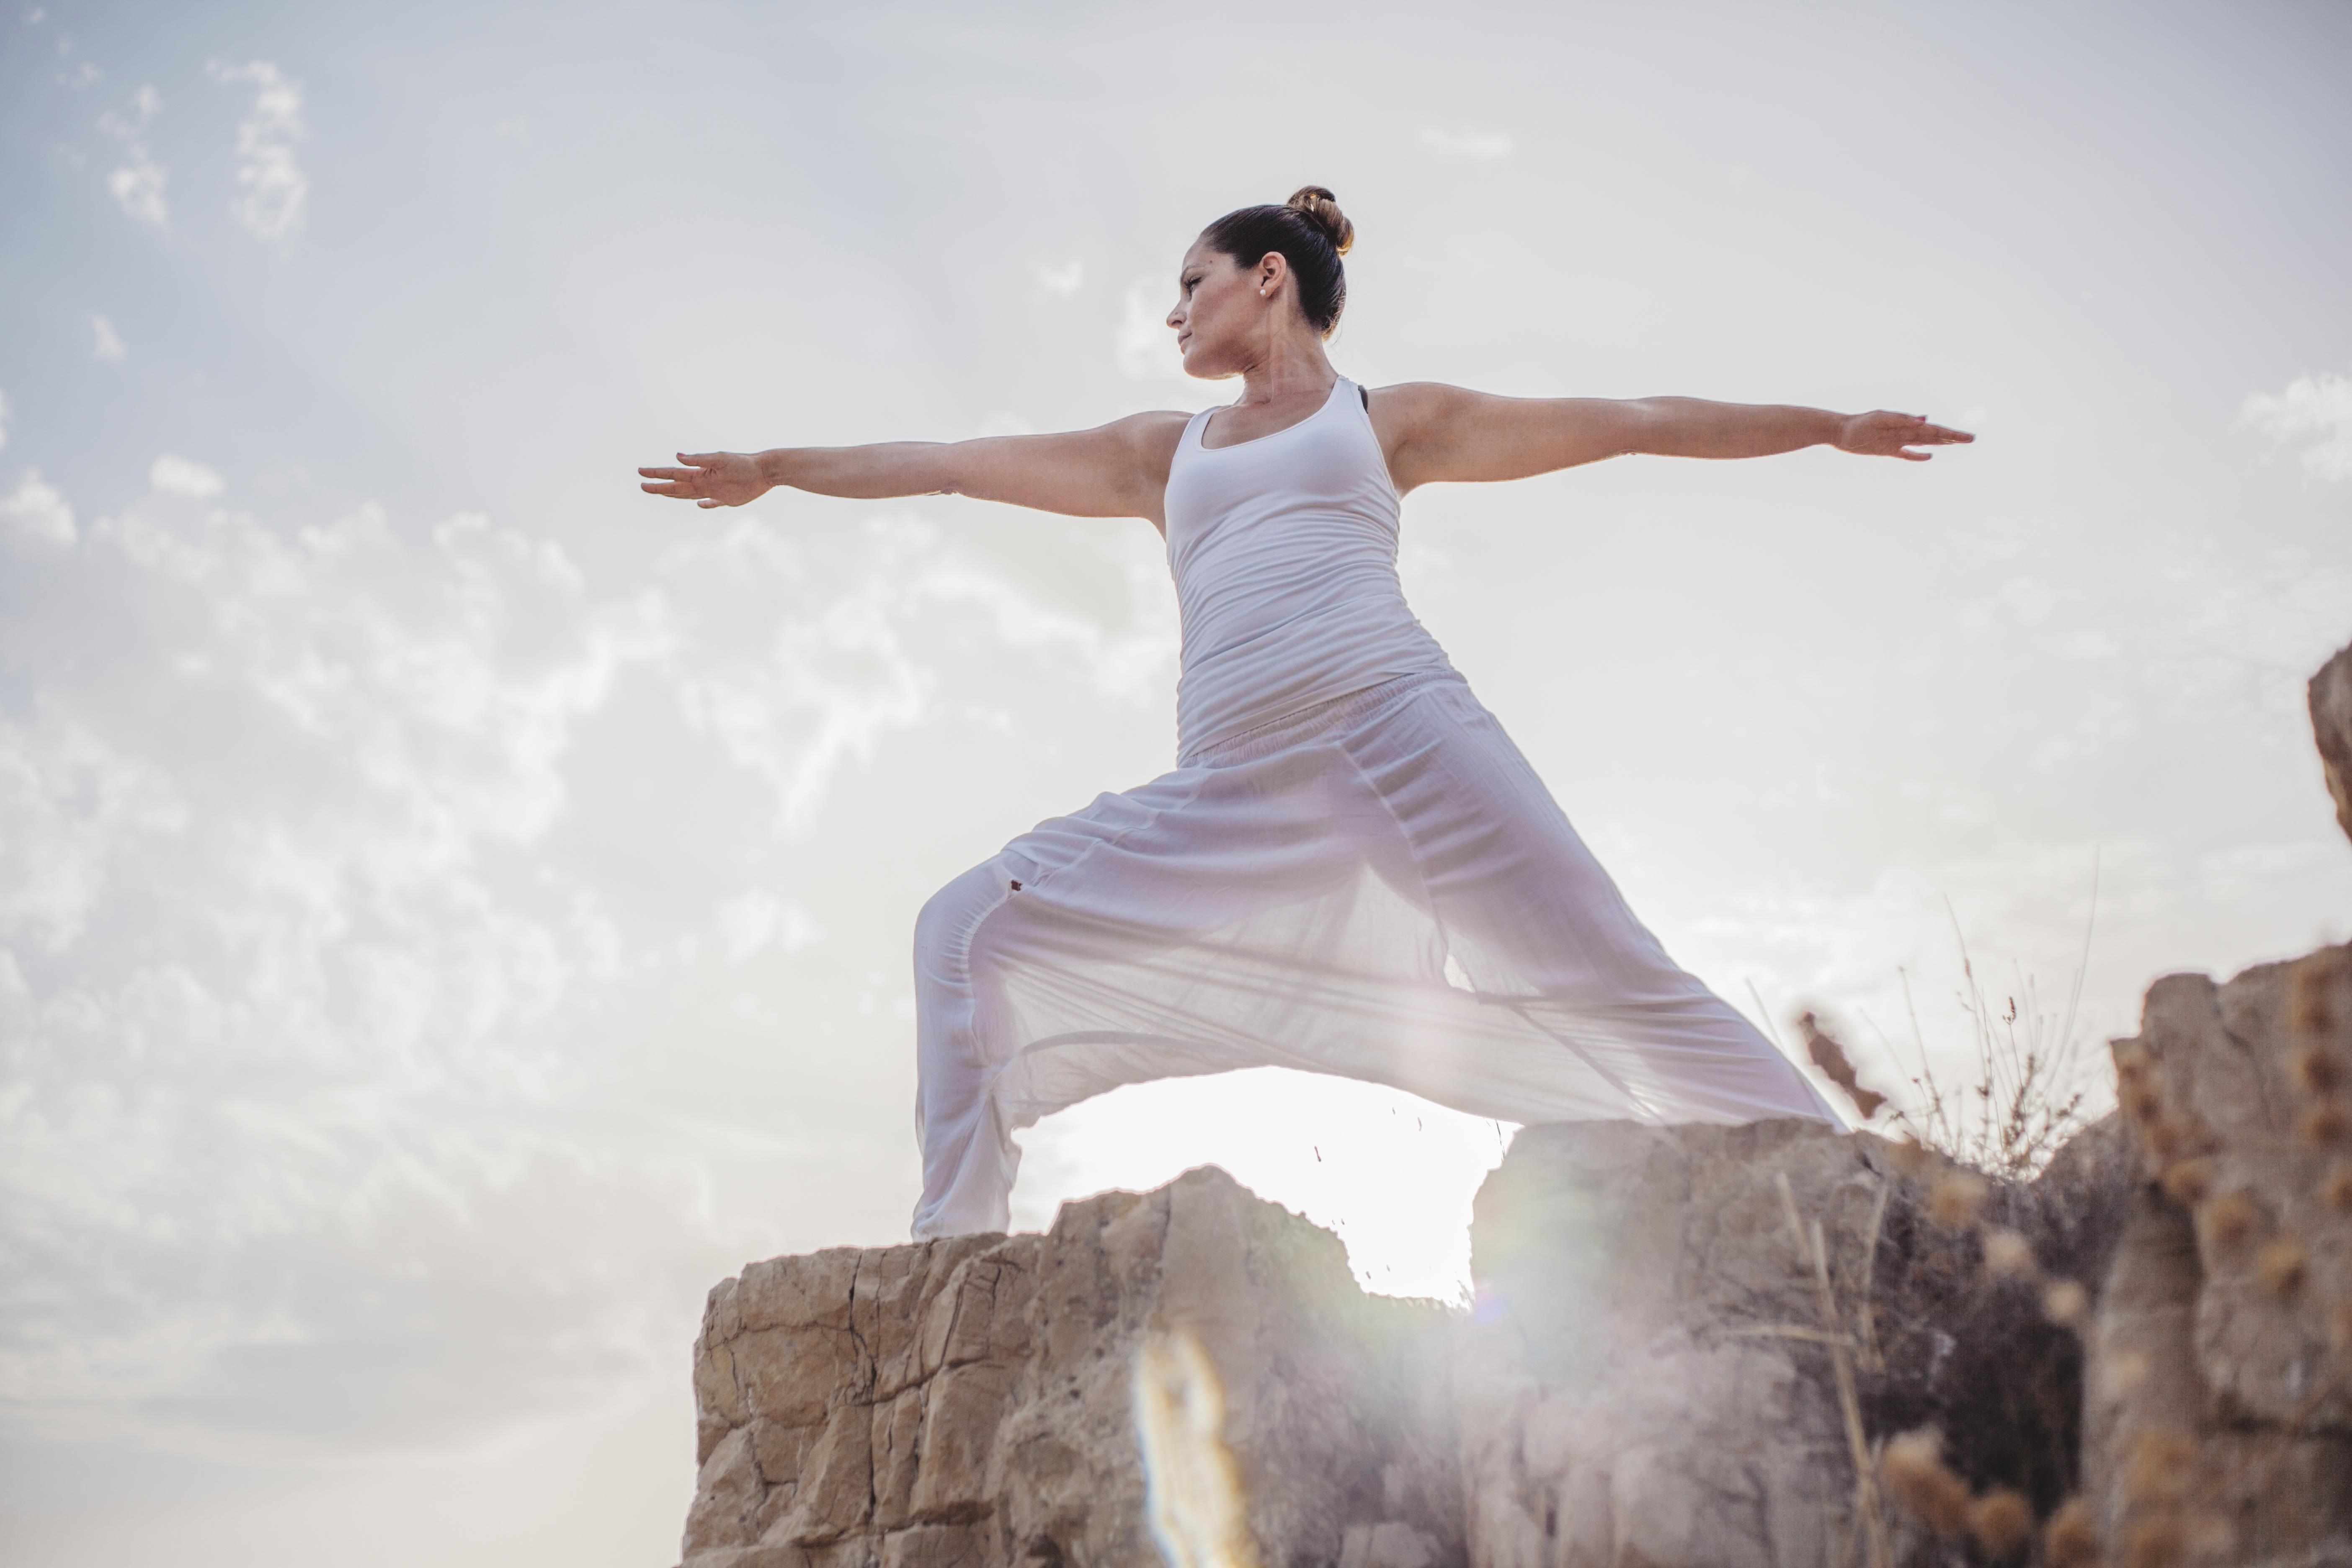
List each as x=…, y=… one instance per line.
x=1154, y=434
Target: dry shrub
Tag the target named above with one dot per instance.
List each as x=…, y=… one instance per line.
x=2071, y=1538
x=2282, y=1266
x=1955, y=1201
x=2325, y=1125
x=2001, y=1520
x=2189, y=1182
x=2143, y=1102
x=2340, y=1326
x=2067, y=1304
x=2025, y=1101
x=2007, y=1255
x=2231, y=1220
x=2336, y=1187
x=1913, y=1472
x=1964, y=1350
x=2157, y=1469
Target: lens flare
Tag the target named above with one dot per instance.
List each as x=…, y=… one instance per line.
x=1193, y=1493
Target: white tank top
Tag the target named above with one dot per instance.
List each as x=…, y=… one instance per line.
x=1283, y=550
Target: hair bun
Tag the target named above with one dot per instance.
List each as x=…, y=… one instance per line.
x=1323, y=208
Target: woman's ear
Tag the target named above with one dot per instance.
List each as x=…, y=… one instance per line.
x=1271, y=270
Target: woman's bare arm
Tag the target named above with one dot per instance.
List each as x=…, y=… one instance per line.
x=1432, y=432
x=1119, y=470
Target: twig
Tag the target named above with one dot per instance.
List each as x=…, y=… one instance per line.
x=1866, y=1484
x=1866, y=1313
x=1812, y=1251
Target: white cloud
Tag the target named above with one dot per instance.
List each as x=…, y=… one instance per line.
x=108, y=343
x=405, y=1000
x=1066, y=279
x=275, y=186
x=137, y=183
x=179, y=477
x=1466, y=142
x=36, y=515
x=2316, y=409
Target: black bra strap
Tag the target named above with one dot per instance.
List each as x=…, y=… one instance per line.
x=1365, y=393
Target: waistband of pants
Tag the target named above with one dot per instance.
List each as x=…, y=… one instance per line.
x=1290, y=729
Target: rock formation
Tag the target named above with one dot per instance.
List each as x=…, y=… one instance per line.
x=2221, y=1408
x=1652, y=1385
x=2331, y=726
x=1692, y=1346
x=967, y=1402
x=1627, y=1391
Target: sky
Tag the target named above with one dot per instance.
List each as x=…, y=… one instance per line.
x=454, y=909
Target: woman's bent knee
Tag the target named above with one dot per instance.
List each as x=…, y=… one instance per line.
x=944, y=928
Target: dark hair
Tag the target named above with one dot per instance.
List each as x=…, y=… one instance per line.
x=1311, y=233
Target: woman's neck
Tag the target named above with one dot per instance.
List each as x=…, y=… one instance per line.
x=1291, y=366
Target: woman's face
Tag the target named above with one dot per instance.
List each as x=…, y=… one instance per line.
x=1225, y=310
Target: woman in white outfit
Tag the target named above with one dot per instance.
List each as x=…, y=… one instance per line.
x=1352, y=869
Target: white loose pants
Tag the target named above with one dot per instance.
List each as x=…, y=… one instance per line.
x=1290, y=898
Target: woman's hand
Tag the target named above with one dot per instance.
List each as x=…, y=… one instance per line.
x=1880, y=434
x=709, y=478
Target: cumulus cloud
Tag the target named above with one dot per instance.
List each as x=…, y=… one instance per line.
x=275, y=187
x=36, y=516
x=406, y=973
x=2313, y=412
x=137, y=181
x=107, y=342
x=179, y=477
x=1465, y=142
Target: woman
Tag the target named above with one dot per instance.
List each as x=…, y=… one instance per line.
x=1352, y=869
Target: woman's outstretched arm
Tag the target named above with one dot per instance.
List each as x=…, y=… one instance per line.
x=1431, y=431
x=1119, y=470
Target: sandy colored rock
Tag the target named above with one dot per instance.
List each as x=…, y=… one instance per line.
x=965, y=1404
x=2331, y=727
x=2221, y=1401
x=1628, y=1394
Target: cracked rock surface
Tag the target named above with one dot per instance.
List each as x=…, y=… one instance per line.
x=966, y=1401
x=1617, y=1398
x=2220, y=1413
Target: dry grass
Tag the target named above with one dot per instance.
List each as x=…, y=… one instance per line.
x=1915, y=1475
x=2067, y=1304
x=2189, y=1182
x=2071, y=1540
x=2282, y=1266
x=2026, y=1095
x=2230, y=1220
x=2002, y=1522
